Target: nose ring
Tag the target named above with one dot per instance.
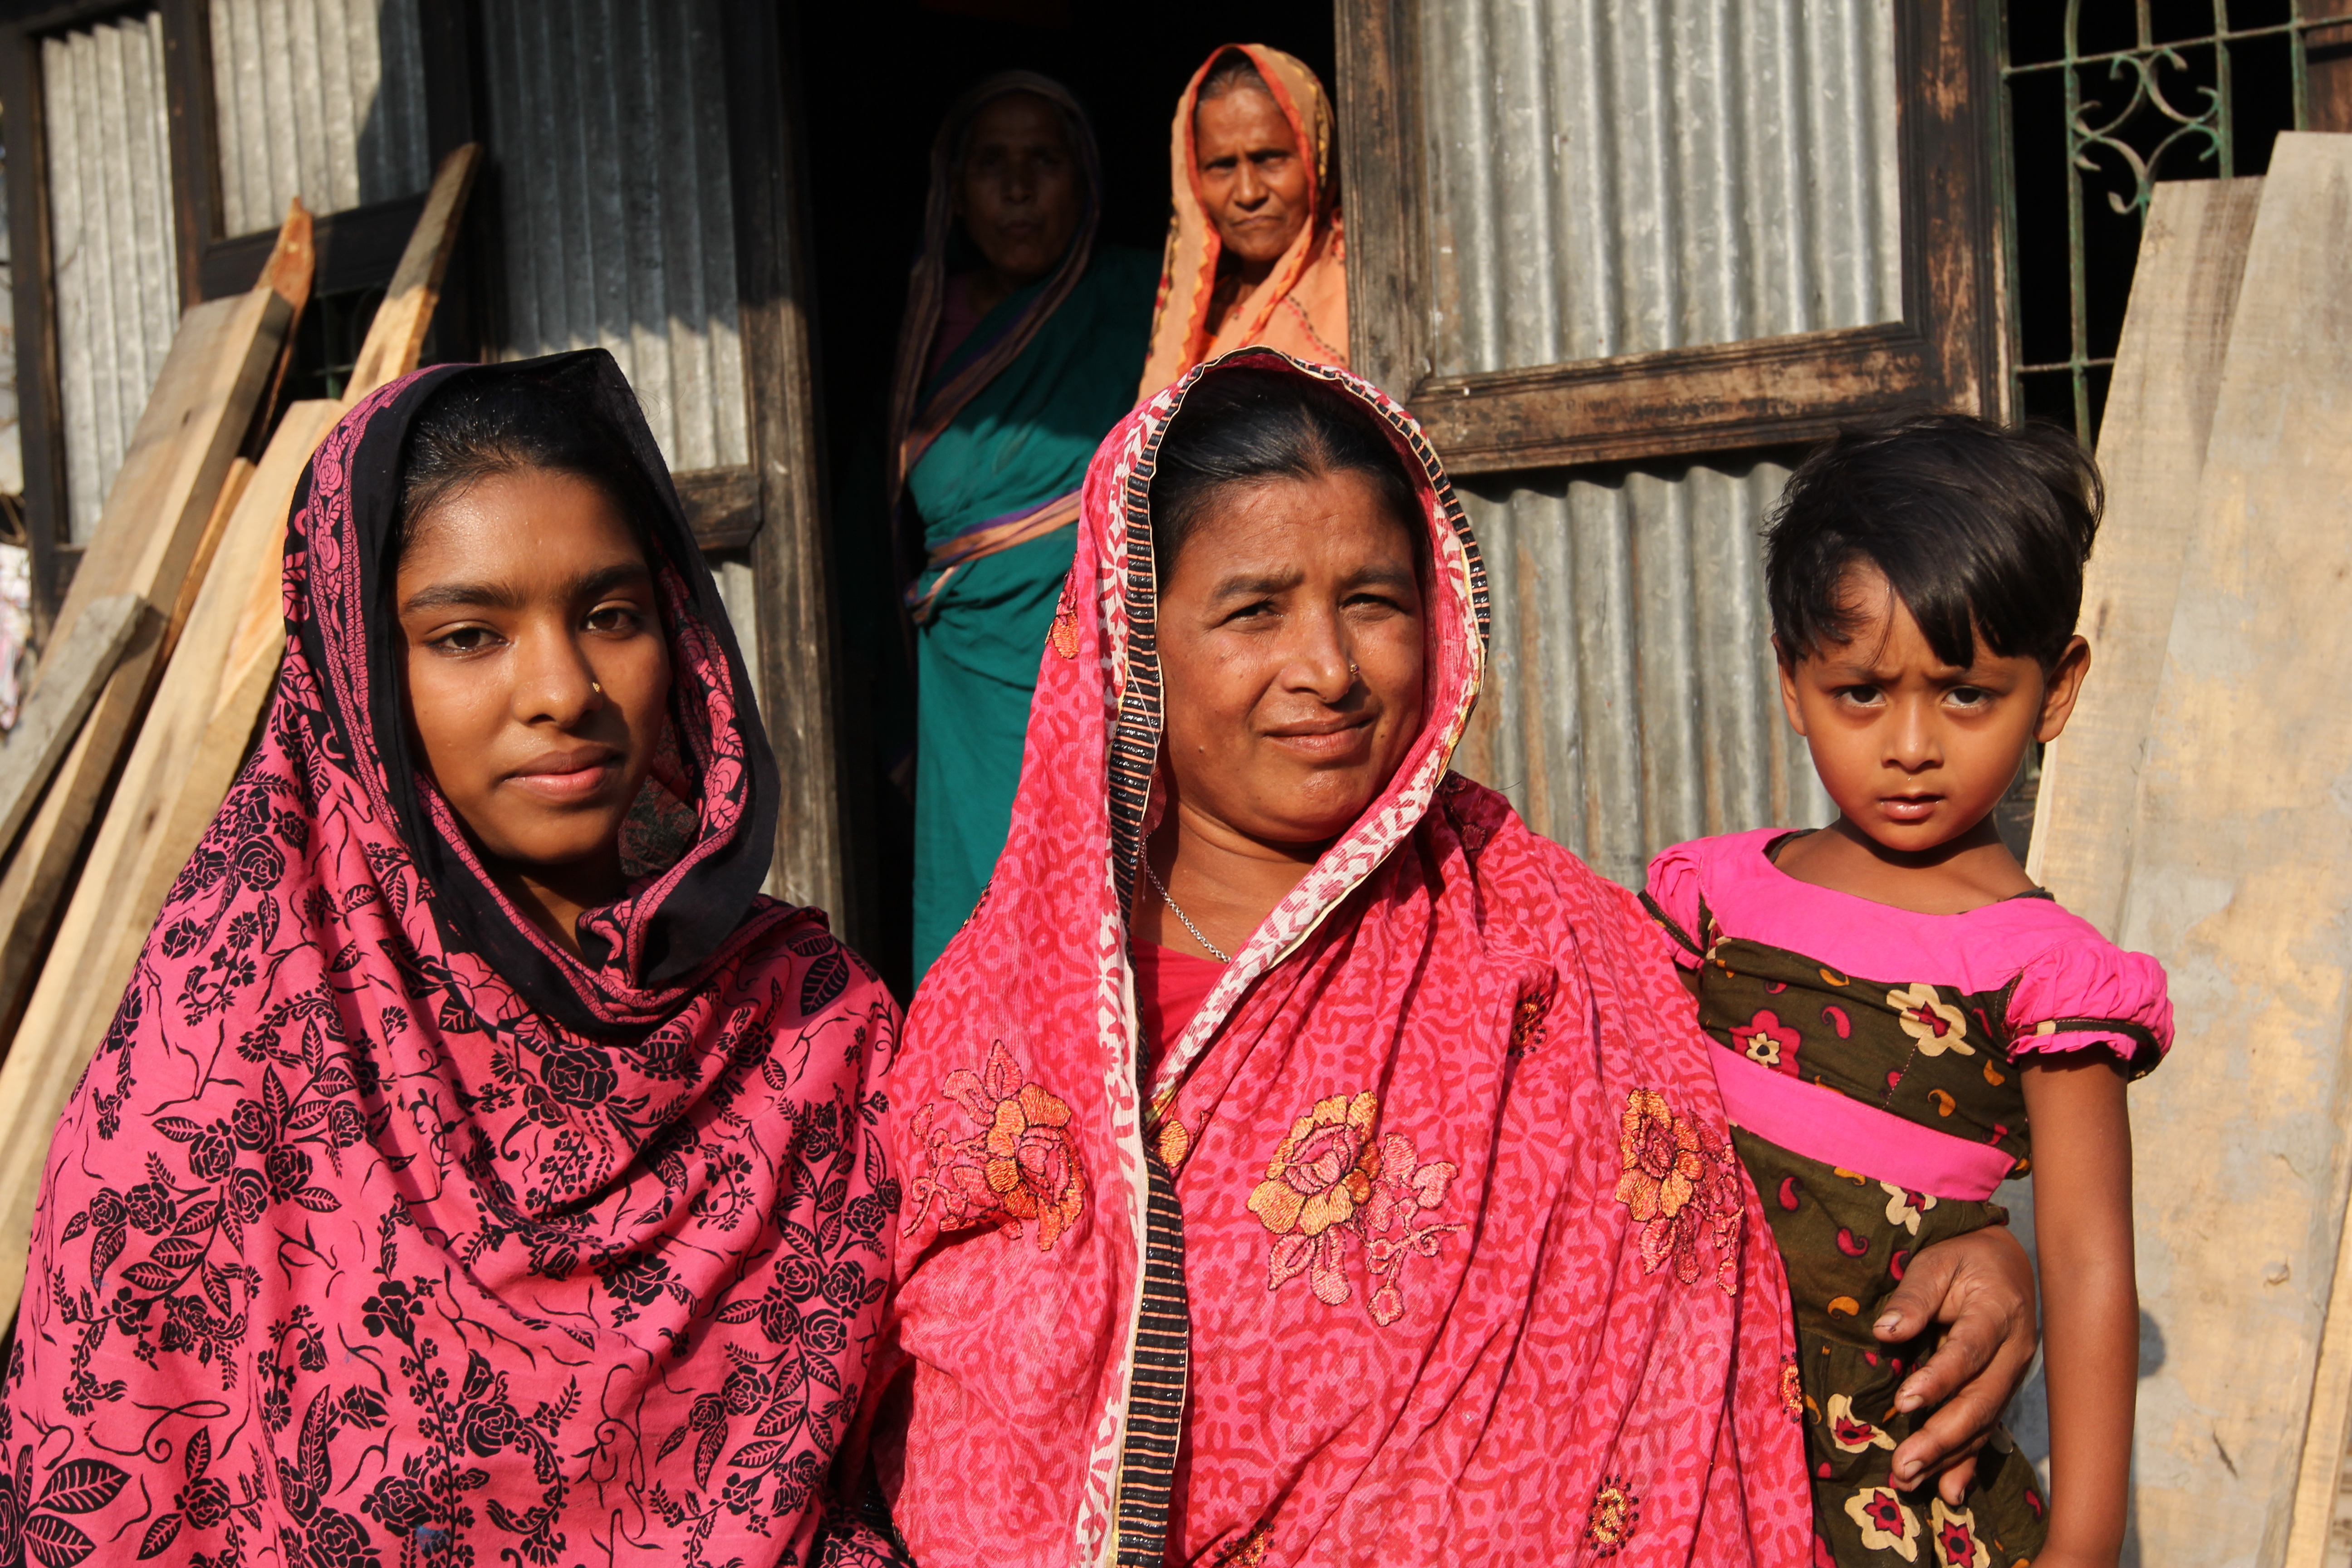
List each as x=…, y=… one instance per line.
x=596, y=689
x=1352, y=669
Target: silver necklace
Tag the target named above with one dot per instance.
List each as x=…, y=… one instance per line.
x=1174, y=909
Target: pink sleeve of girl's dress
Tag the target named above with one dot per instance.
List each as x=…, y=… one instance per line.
x=1672, y=900
x=2089, y=993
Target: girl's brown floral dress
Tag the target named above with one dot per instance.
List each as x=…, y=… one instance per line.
x=1924, y=1020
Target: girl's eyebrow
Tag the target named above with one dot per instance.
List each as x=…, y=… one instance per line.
x=461, y=595
x=604, y=580
x=503, y=595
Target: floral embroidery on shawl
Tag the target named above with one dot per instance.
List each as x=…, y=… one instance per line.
x=1248, y=1550
x=1329, y=1181
x=1173, y=1144
x=1683, y=1183
x=1792, y=1389
x=1527, y=1022
x=1021, y=1165
x=1064, y=633
x=1616, y=1511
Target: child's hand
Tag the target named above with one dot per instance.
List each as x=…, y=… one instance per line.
x=1981, y=1287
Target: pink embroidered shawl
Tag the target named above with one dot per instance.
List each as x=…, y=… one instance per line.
x=1425, y=1242
x=381, y=1231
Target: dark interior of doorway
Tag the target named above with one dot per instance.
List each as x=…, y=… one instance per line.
x=873, y=78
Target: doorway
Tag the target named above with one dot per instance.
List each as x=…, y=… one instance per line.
x=874, y=79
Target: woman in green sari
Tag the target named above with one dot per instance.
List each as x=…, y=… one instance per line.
x=1021, y=347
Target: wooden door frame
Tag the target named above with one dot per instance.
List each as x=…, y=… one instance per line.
x=783, y=498
x=1946, y=351
x=40, y=422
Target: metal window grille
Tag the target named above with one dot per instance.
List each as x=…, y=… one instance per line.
x=2101, y=100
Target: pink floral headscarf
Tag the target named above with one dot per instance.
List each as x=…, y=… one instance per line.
x=381, y=1229
x=1425, y=1243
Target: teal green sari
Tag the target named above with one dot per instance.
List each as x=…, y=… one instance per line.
x=1022, y=441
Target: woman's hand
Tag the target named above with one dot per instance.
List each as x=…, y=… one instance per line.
x=1980, y=1287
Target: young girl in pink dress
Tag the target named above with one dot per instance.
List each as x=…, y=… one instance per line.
x=1896, y=1001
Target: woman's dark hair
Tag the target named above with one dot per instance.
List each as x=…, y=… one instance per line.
x=480, y=427
x=1982, y=531
x=1234, y=72
x=1246, y=427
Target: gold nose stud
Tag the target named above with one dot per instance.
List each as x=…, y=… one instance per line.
x=596, y=689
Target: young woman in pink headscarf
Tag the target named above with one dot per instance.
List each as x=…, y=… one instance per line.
x=478, y=1168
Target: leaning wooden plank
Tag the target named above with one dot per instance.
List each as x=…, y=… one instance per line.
x=397, y=336
x=147, y=538
x=185, y=750
x=188, y=753
x=240, y=473
x=2167, y=373
x=2241, y=883
x=53, y=714
x=196, y=418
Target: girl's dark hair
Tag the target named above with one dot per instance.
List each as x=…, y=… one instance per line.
x=1247, y=427
x=1982, y=531
x=480, y=427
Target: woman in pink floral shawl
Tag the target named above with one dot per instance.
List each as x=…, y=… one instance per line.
x=1421, y=1241
x=385, y=1229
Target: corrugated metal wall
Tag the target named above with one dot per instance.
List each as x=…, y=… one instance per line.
x=1632, y=701
x=319, y=98
x=608, y=130
x=1615, y=176
x=118, y=291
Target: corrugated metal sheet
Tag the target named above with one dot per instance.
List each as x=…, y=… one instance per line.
x=118, y=291
x=1632, y=701
x=1615, y=176
x=319, y=98
x=608, y=128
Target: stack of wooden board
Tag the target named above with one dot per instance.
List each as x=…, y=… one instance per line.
x=210, y=696
x=2201, y=809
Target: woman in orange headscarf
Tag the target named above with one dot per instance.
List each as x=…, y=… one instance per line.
x=1256, y=252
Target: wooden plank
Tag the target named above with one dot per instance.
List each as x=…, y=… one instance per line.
x=181, y=447
x=2241, y=886
x=1381, y=150
x=397, y=334
x=240, y=474
x=180, y=455
x=722, y=506
x=2192, y=252
x=189, y=750
x=187, y=756
x=52, y=715
x=356, y=248
x=1721, y=397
